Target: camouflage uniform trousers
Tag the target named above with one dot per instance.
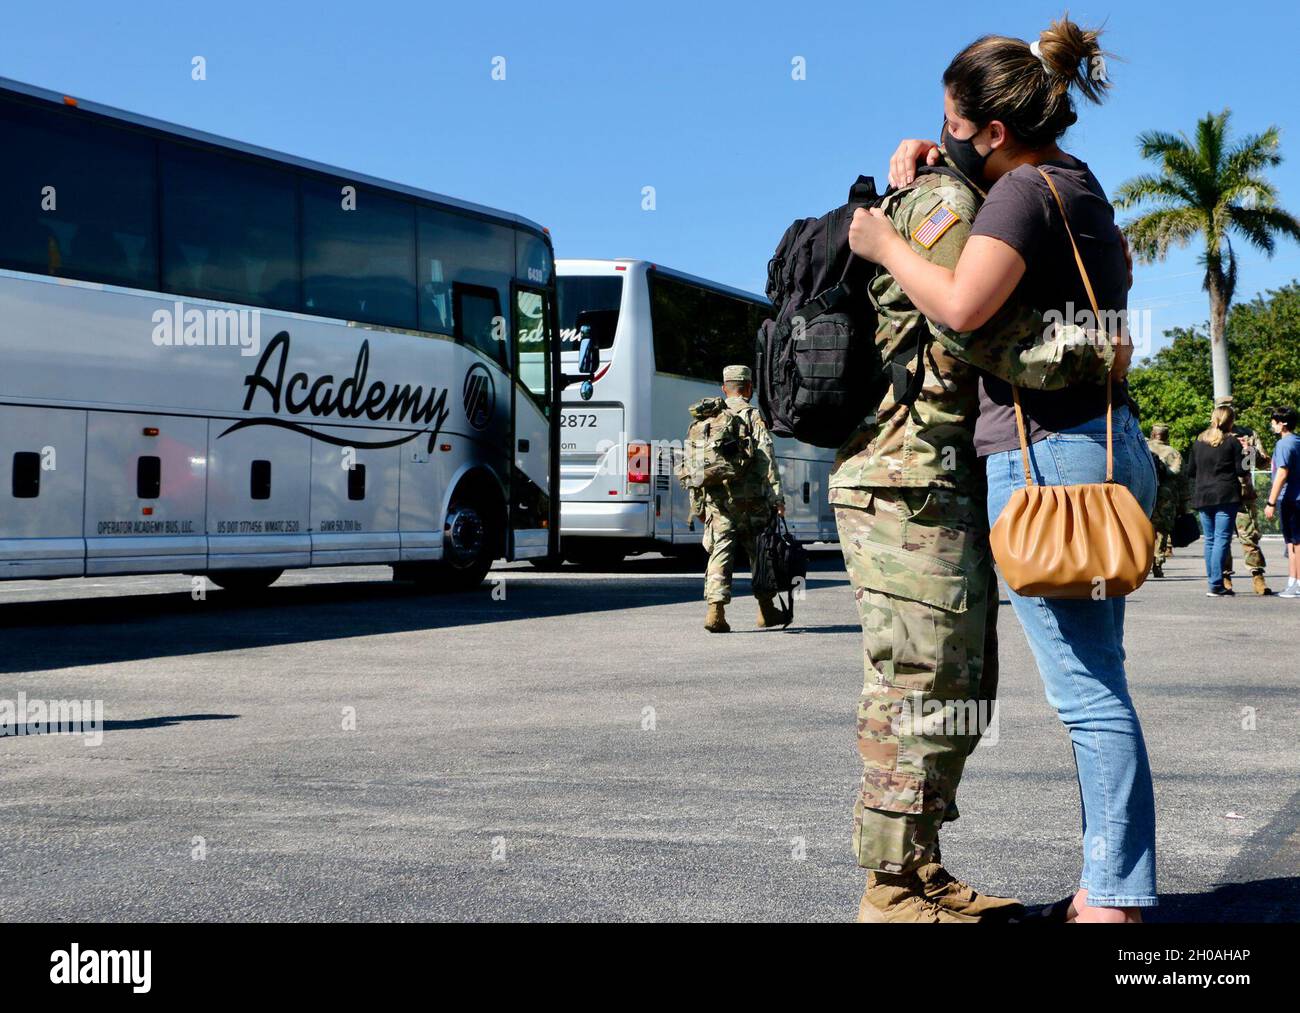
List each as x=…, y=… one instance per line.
x=1162, y=519
x=1164, y=545
x=1248, y=532
x=730, y=525
x=922, y=574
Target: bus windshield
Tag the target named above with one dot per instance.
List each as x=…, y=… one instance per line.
x=590, y=293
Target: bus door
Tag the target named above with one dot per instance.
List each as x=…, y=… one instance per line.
x=533, y=411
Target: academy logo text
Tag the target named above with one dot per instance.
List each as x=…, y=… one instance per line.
x=352, y=397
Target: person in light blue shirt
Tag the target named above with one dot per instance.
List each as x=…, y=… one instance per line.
x=1284, y=496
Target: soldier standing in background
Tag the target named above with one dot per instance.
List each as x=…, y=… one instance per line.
x=1248, y=525
x=1171, y=494
x=909, y=499
x=736, y=512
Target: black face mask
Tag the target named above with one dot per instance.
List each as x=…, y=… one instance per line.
x=962, y=154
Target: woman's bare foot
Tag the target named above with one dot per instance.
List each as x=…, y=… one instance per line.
x=1081, y=911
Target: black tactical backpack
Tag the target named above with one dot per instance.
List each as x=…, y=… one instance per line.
x=819, y=372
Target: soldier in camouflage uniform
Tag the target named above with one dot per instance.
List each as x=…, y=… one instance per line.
x=1171, y=494
x=1248, y=525
x=909, y=501
x=734, y=514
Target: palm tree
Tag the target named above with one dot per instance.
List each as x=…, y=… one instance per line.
x=1212, y=188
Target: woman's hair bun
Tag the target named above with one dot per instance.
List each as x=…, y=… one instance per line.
x=1073, y=56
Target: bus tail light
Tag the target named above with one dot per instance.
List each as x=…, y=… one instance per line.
x=638, y=467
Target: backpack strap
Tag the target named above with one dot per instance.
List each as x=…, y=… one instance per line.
x=907, y=384
x=862, y=194
x=746, y=415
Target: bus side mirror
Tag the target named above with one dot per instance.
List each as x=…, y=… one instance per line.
x=590, y=324
x=588, y=353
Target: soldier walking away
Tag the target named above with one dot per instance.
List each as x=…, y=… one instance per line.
x=1171, y=495
x=1248, y=525
x=735, y=508
x=909, y=499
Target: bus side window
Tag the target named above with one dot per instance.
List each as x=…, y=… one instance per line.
x=479, y=322
x=533, y=342
x=455, y=251
x=229, y=229
x=76, y=198
x=699, y=332
x=358, y=256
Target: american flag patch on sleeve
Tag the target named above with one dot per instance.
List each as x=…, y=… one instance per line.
x=940, y=221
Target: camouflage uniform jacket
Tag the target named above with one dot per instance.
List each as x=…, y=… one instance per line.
x=931, y=444
x=759, y=488
x=1173, y=467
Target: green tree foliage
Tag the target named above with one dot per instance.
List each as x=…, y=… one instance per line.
x=1214, y=188
x=1175, y=385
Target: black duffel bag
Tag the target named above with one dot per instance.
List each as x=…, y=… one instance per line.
x=781, y=565
x=1187, y=529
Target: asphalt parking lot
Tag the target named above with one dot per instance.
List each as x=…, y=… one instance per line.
x=574, y=746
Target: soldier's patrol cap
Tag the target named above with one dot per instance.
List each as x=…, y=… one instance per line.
x=737, y=374
x=1160, y=429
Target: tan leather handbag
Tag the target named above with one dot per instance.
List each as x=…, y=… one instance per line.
x=1073, y=541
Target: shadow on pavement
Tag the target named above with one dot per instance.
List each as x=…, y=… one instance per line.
x=166, y=721
x=1261, y=900
x=65, y=633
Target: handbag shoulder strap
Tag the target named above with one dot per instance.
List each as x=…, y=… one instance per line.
x=1096, y=310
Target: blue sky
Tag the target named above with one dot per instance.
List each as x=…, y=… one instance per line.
x=695, y=99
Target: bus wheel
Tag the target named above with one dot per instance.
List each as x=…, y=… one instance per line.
x=468, y=546
x=243, y=580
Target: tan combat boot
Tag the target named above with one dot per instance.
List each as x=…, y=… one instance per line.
x=1227, y=582
x=716, y=621
x=769, y=615
x=950, y=893
x=901, y=899
x=1260, y=586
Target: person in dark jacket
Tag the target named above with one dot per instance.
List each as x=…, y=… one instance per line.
x=1217, y=466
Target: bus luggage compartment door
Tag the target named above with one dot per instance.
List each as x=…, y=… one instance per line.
x=42, y=475
x=258, y=497
x=353, y=497
x=146, y=491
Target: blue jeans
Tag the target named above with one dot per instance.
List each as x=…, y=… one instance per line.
x=1079, y=647
x=1217, y=525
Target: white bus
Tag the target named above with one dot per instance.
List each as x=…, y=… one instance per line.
x=664, y=338
x=219, y=360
